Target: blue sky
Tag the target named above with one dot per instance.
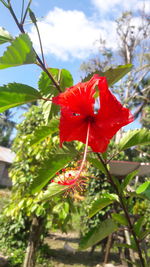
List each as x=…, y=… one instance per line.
x=70, y=31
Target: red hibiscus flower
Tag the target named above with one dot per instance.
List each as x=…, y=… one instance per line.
x=79, y=120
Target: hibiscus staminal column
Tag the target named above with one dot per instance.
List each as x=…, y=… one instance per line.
x=74, y=179
x=73, y=182
x=85, y=152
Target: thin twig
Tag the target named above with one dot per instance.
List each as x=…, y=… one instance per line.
x=4, y=3
x=22, y=10
x=15, y=18
x=25, y=14
x=114, y=155
x=40, y=41
x=40, y=63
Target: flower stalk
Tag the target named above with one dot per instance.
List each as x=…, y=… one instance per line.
x=123, y=205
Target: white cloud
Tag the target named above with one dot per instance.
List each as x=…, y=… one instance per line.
x=107, y=5
x=66, y=33
x=70, y=34
x=118, y=6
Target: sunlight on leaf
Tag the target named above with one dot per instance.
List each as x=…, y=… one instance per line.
x=20, y=52
x=5, y=36
x=48, y=89
x=112, y=75
x=49, y=168
x=134, y=138
x=98, y=233
x=15, y=94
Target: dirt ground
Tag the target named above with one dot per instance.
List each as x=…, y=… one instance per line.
x=64, y=252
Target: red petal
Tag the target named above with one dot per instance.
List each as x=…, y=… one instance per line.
x=75, y=128
x=72, y=127
x=97, y=139
x=112, y=115
x=79, y=98
x=110, y=118
x=111, y=108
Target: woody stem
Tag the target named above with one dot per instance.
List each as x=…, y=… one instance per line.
x=85, y=151
x=124, y=207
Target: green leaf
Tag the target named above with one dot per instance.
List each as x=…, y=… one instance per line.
x=134, y=138
x=32, y=16
x=66, y=79
x=45, y=85
x=134, y=195
x=121, y=245
x=138, y=225
x=99, y=204
x=98, y=233
x=120, y=218
x=144, y=190
x=128, y=179
x=104, y=155
x=144, y=234
x=15, y=94
x=62, y=209
x=117, y=183
x=5, y=36
x=55, y=163
x=62, y=76
x=110, y=196
x=112, y=75
x=48, y=89
x=20, y=52
x=52, y=190
x=96, y=163
x=49, y=110
x=43, y=132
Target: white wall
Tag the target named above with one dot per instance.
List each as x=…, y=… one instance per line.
x=4, y=179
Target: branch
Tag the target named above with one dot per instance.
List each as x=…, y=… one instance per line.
x=25, y=14
x=122, y=203
x=40, y=63
x=139, y=109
